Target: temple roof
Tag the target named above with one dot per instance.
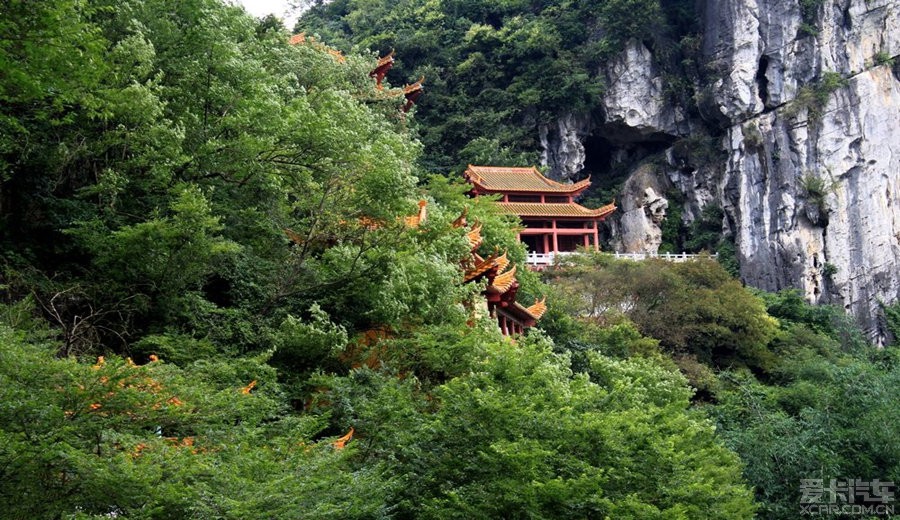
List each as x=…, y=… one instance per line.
x=570, y=209
x=538, y=308
x=502, y=261
x=419, y=218
x=417, y=86
x=386, y=60
x=502, y=178
x=474, y=236
x=480, y=267
x=302, y=38
x=503, y=281
x=535, y=311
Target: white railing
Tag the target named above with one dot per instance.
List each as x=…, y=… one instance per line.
x=670, y=257
x=547, y=259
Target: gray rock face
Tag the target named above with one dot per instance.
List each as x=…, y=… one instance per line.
x=809, y=178
x=812, y=192
x=634, y=99
x=815, y=202
x=561, y=145
x=642, y=210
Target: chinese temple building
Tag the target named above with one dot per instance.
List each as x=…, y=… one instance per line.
x=553, y=222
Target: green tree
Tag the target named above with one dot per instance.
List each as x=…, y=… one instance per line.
x=693, y=308
x=158, y=441
x=522, y=436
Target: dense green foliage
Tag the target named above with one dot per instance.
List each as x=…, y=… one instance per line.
x=828, y=408
x=795, y=390
x=496, y=70
x=183, y=188
x=78, y=441
x=696, y=309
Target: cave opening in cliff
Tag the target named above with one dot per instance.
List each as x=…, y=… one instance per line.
x=611, y=155
x=761, y=80
x=598, y=156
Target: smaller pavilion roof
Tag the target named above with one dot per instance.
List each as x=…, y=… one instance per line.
x=571, y=209
x=415, y=87
x=302, y=38
x=385, y=60
x=504, y=281
x=474, y=236
x=503, y=179
x=535, y=311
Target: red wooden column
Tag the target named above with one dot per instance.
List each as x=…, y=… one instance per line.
x=555, y=238
x=596, y=237
x=546, y=244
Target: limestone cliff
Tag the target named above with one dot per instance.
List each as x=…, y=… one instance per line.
x=801, y=108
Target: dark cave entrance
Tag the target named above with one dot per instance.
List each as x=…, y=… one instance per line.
x=598, y=152
x=612, y=152
x=761, y=80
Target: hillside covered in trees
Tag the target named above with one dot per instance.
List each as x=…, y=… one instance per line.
x=213, y=307
x=496, y=71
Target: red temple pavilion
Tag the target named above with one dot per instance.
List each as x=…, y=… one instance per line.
x=554, y=222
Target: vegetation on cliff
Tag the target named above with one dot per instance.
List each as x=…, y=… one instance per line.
x=496, y=70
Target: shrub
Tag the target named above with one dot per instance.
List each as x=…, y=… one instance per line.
x=814, y=97
x=883, y=58
x=816, y=189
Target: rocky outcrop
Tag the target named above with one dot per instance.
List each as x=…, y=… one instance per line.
x=561, y=144
x=805, y=109
x=813, y=137
x=642, y=210
x=634, y=105
x=815, y=202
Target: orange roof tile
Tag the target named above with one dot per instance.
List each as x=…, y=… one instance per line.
x=502, y=178
x=534, y=312
x=538, y=308
x=419, y=218
x=502, y=261
x=482, y=265
x=474, y=236
x=408, y=89
x=302, y=38
x=461, y=219
x=389, y=58
x=538, y=209
x=504, y=281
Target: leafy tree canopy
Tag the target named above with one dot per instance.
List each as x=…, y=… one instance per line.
x=183, y=188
